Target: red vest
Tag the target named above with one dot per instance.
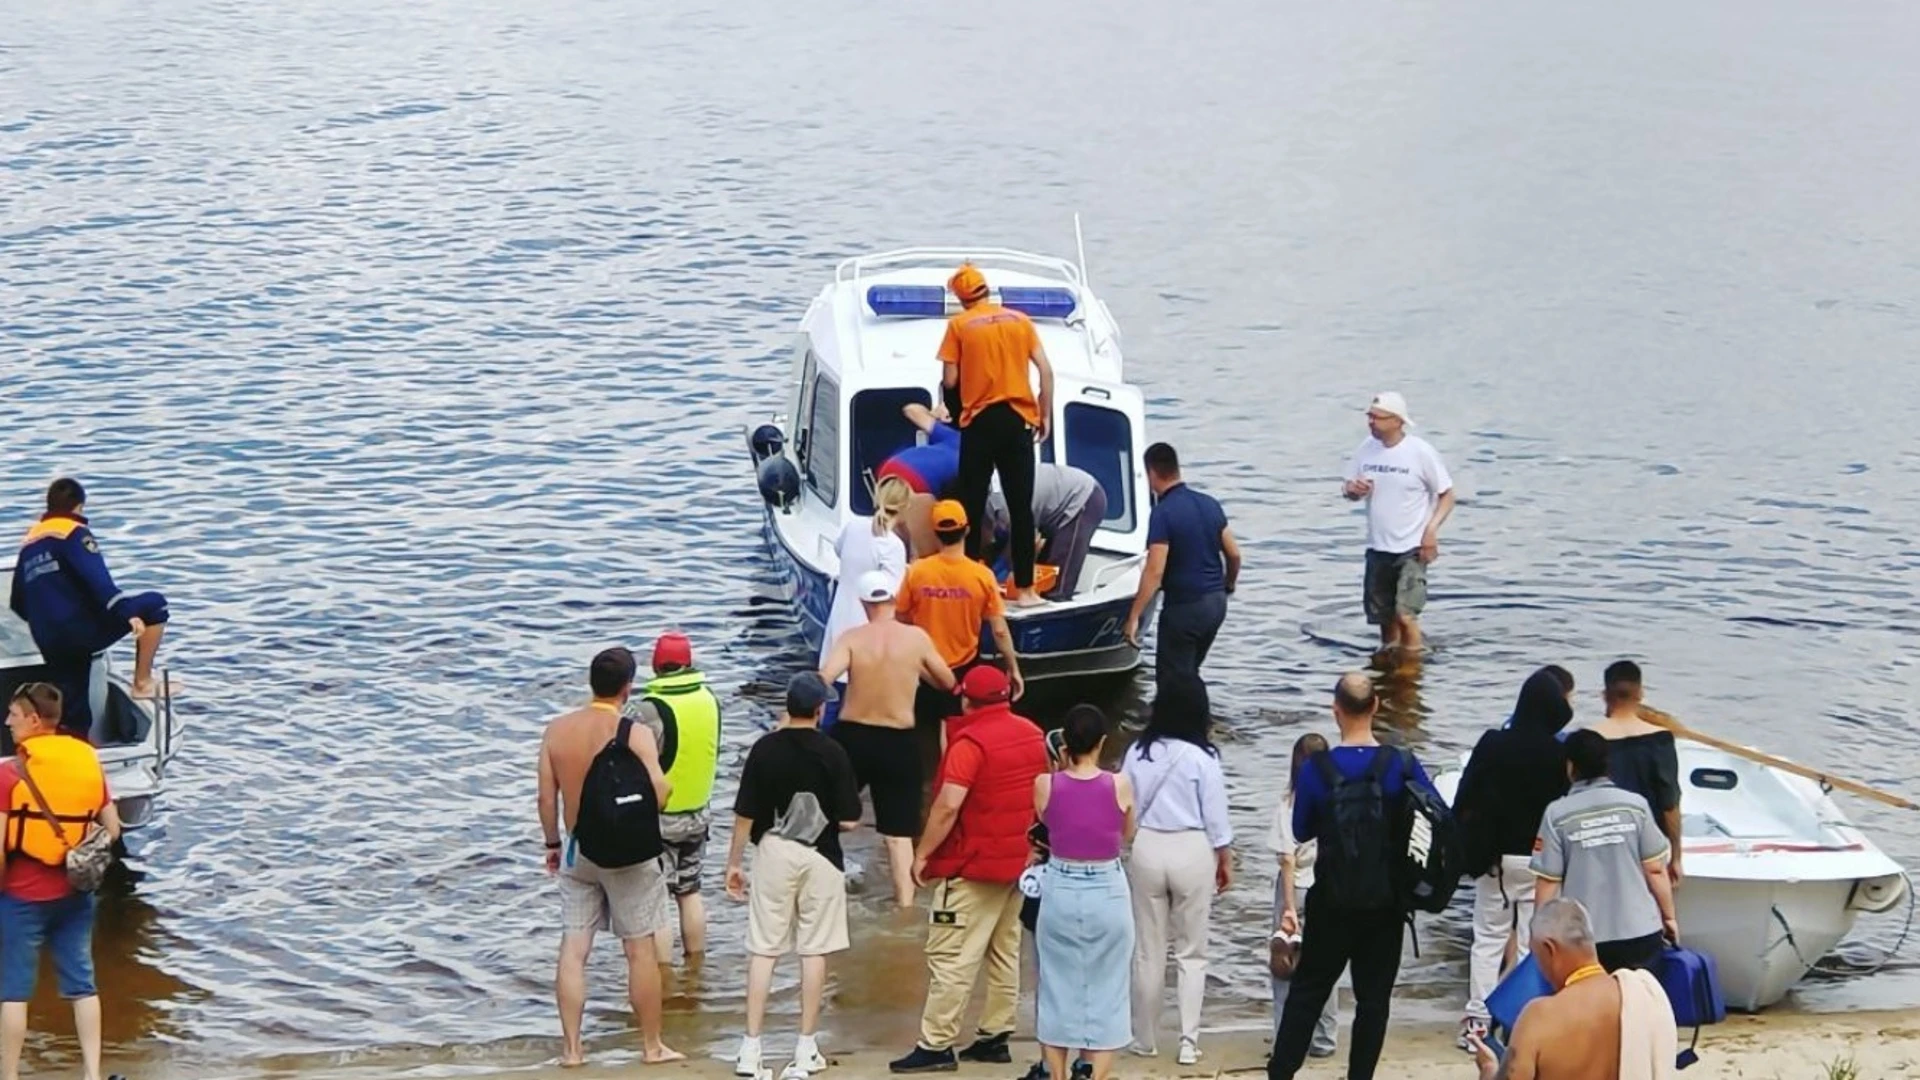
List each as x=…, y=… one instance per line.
x=989, y=841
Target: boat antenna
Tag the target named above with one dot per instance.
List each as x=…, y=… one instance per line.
x=1080, y=244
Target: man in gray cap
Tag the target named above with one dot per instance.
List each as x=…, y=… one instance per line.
x=1409, y=496
x=796, y=797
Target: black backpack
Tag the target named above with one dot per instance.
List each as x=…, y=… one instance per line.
x=1355, y=862
x=1433, y=855
x=619, y=820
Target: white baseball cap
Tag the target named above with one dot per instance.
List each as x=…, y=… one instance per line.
x=874, y=587
x=1390, y=402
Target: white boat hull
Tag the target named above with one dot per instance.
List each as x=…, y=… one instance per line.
x=1775, y=873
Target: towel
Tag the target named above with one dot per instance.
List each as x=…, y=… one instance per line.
x=1648, y=1041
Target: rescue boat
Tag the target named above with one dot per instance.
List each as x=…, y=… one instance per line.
x=866, y=348
x=135, y=738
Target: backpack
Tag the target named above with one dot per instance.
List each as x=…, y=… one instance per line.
x=1429, y=843
x=619, y=820
x=1356, y=836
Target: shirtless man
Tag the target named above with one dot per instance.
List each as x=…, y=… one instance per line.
x=1575, y=1033
x=886, y=660
x=631, y=900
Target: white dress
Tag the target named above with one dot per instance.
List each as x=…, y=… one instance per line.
x=860, y=551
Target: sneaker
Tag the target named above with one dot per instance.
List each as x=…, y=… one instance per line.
x=808, y=1058
x=794, y=1071
x=1323, y=1050
x=1142, y=1051
x=1083, y=1070
x=747, y=1062
x=1038, y=1072
x=1189, y=1053
x=1471, y=1028
x=925, y=1060
x=989, y=1050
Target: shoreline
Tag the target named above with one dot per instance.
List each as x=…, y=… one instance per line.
x=1781, y=1046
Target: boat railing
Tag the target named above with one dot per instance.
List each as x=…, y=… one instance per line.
x=990, y=258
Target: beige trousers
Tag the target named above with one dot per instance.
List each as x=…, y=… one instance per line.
x=1172, y=878
x=971, y=923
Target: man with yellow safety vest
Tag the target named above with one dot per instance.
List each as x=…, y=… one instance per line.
x=685, y=718
x=62, y=589
x=54, y=778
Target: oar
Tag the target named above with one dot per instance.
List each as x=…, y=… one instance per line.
x=1681, y=731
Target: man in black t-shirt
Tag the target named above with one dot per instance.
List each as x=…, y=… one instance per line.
x=797, y=795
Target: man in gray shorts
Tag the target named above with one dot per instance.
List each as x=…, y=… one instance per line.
x=1600, y=845
x=1409, y=495
x=632, y=900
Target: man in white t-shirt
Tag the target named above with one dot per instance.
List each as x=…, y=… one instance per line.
x=1409, y=496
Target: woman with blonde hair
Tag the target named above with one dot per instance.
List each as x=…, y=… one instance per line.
x=866, y=543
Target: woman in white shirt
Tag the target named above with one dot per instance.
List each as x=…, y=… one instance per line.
x=1290, y=887
x=1181, y=858
x=867, y=544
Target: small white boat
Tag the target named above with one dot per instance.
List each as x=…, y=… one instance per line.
x=1775, y=872
x=867, y=346
x=136, y=739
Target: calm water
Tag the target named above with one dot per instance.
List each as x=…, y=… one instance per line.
x=406, y=346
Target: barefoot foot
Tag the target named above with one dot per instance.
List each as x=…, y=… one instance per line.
x=661, y=1054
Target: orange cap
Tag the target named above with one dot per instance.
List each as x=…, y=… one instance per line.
x=968, y=283
x=949, y=515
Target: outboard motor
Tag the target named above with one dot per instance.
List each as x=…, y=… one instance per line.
x=779, y=482
x=767, y=441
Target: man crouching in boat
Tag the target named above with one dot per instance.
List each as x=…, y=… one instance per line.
x=62, y=589
x=1593, y=1026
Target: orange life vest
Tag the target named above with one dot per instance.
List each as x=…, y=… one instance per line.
x=67, y=771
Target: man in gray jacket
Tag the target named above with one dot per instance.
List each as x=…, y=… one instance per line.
x=1068, y=506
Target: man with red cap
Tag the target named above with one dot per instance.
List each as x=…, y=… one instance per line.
x=987, y=352
x=685, y=718
x=971, y=856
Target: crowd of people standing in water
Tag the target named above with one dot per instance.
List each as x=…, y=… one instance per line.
x=1572, y=842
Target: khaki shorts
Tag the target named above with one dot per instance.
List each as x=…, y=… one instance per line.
x=797, y=901
x=630, y=901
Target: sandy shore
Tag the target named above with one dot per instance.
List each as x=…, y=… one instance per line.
x=1778, y=1047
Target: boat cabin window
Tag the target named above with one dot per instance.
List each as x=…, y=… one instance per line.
x=879, y=432
x=1101, y=442
x=819, y=448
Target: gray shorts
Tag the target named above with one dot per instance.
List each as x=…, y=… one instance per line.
x=685, y=836
x=1394, y=585
x=630, y=901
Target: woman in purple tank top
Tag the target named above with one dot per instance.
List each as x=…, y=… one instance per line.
x=1084, y=937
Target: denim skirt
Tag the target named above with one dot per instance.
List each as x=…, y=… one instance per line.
x=1084, y=941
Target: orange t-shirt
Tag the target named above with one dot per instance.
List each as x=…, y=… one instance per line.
x=993, y=347
x=950, y=596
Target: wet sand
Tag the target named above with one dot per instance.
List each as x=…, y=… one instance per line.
x=1782, y=1046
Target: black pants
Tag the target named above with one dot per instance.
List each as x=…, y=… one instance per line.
x=1638, y=952
x=1332, y=939
x=999, y=440
x=73, y=674
x=1186, y=633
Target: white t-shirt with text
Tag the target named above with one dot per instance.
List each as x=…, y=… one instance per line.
x=1408, y=480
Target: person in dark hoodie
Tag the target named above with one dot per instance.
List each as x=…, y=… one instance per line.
x=1515, y=771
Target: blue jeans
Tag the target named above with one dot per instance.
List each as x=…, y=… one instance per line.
x=65, y=925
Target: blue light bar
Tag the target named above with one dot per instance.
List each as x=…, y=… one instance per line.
x=934, y=301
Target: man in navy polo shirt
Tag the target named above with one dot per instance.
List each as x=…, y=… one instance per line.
x=1192, y=557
